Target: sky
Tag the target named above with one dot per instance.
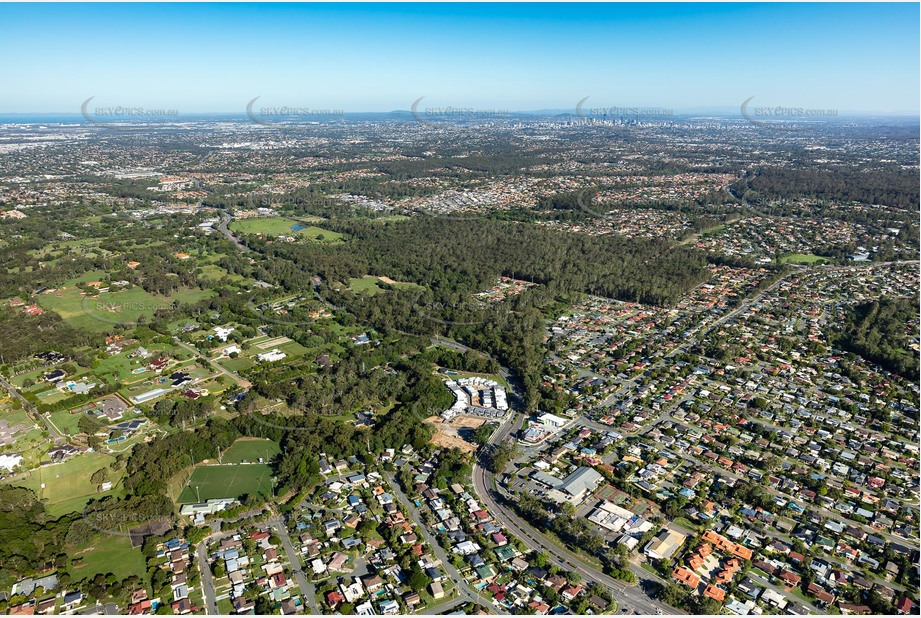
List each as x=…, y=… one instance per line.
x=193, y=58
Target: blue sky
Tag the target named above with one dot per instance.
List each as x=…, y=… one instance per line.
x=379, y=57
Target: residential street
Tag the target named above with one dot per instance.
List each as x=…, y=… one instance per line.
x=453, y=574
x=308, y=591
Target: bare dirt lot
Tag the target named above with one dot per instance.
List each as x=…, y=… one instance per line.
x=447, y=435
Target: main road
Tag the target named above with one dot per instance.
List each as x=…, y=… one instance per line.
x=630, y=597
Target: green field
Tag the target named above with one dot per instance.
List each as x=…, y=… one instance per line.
x=281, y=226
x=66, y=422
x=109, y=553
x=227, y=481
x=213, y=272
x=371, y=285
x=67, y=485
x=802, y=258
x=250, y=450
x=365, y=285
x=103, y=312
x=241, y=363
x=84, y=247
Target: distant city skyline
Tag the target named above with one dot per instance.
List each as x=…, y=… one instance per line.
x=186, y=59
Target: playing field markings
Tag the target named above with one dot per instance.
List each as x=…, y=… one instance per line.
x=236, y=469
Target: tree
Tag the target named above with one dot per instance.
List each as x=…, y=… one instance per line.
x=498, y=458
x=418, y=580
x=100, y=476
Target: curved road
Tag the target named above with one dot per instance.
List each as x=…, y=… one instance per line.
x=631, y=597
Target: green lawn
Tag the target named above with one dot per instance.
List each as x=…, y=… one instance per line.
x=106, y=310
x=68, y=482
x=319, y=234
x=293, y=348
x=227, y=481
x=372, y=285
x=109, y=553
x=241, y=363
x=213, y=272
x=365, y=285
x=802, y=258
x=66, y=422
x=281, y=226
x=686, y=523
x=250, y=450
x=118, y=368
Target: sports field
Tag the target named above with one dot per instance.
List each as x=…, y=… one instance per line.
x=68, y=485
x=802, y=258
x=227, y=481
x=250, y=450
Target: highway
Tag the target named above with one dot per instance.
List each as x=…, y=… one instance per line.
x=632, y=597
x=223, y=229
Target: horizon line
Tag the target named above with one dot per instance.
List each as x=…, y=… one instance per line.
x=633, y=111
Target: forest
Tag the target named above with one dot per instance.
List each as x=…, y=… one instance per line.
x=878, y=331
x=896, y=188
x=449, y=260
